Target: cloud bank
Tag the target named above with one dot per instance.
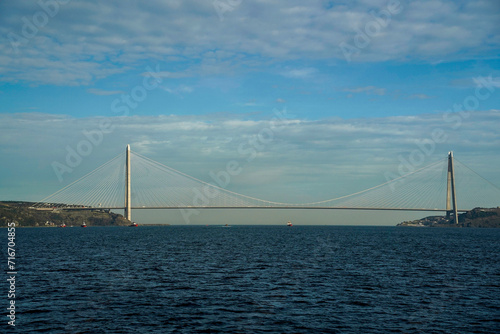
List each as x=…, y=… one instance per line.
x=283, y=159
x=77, y=43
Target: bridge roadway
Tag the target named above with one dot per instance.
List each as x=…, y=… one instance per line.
x=256, y=207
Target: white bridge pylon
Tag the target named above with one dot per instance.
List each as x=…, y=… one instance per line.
x=152, y=185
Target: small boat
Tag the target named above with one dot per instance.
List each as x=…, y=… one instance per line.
x=84, y=225
x=289, y=223
x=62, y=225
x=134, y=224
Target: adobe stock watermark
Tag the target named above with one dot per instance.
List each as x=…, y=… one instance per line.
x=11, y=272
x=454, y=118
x=32, y=25
x=372, y=28
x=223, y=6
x=94, y=137
x=248, y=152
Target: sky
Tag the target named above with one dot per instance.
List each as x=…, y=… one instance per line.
x=333, y=96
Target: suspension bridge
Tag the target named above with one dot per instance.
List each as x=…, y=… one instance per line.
x=132, y=181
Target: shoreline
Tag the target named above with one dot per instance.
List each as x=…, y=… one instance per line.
x=477, y=217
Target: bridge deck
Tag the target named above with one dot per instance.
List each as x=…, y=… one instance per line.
x=262, y=207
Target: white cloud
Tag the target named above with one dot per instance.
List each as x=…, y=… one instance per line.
x=249, y=103
x=103, y=92
x=290, y=155
x=171, y=75
x=369, y=90
x=419, y=96
x=299, y=73
x=179, y=90
x=89, y=40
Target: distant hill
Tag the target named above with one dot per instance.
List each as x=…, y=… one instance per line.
x=478, y=217
x=23, y=216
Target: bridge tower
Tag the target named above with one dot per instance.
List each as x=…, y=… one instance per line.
x=451, y=197
x=128, y=204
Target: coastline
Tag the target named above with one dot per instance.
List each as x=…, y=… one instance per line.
x=22, y=215
x=477, y=217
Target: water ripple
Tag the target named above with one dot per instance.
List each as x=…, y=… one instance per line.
x=249, y=279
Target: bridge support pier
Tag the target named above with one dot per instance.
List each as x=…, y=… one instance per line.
x=128, y=204
x=451, y=197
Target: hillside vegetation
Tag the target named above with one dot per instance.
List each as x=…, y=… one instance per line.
x=23, y=216
x=478, y=217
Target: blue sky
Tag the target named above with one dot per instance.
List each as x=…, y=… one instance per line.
x=381, y=74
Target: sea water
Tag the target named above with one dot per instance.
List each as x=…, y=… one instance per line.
x=256, y=279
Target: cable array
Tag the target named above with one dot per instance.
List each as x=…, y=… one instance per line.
x=102, y=187
x=155, y=185
x=473, y=190
x=417, y=189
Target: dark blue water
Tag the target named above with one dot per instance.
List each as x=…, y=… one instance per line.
x=257, y=279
